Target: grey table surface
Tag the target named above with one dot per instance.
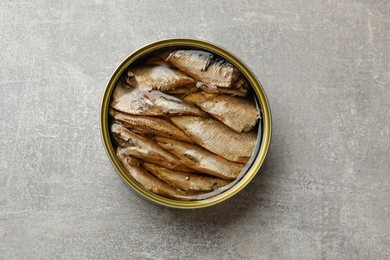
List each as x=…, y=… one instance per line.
x=322, y=193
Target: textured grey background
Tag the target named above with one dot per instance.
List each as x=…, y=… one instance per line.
x=323, y=192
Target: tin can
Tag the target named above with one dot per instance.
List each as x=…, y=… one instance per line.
x=263, y=142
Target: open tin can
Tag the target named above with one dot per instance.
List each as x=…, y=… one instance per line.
x=263, y=124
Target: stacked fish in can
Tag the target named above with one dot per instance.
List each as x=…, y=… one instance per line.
x=185, y=122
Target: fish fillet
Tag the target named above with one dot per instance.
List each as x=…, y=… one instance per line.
x=144, y=149
x=203, y=66
x=239, y=114
x=201, y=160
x=150, y=125
x=147, y=180
x=184, y=180
x=156, y=78
x=150, y=103
x=218, y=138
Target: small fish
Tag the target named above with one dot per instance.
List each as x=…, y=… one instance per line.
x=150, y=125
x=201, y=160
x=147, y=180
x=144, y=149
x=150, y=103
x=218, y=138
x=239, y=114
x=156, y=78
x=203, y=66
x=184, y=180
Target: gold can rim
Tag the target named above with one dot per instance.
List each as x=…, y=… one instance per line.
x=254, y=82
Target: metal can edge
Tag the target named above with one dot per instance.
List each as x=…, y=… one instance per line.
x=255, y=83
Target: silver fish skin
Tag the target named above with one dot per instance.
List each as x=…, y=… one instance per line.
x=239, y=114
x=156, y=77
x=184, y=180
x=203, y=66
x=150, y=103
x=201, y=160
x=144, y=149
x=150, y=125
x=217, y=137
x=147, y=180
